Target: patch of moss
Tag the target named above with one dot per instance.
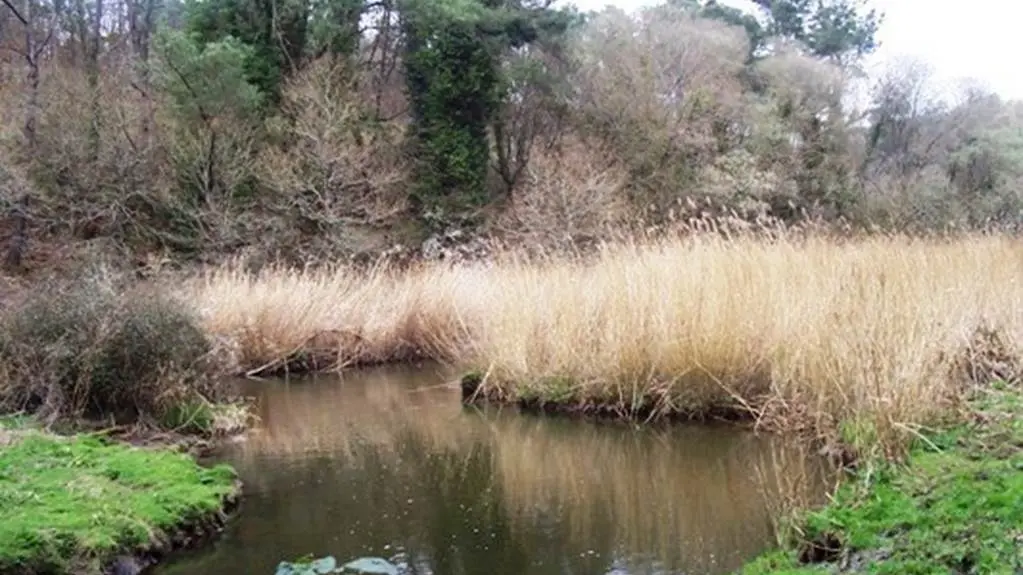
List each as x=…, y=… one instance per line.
x=556, y=390
x=71, y=504
x=955, y=506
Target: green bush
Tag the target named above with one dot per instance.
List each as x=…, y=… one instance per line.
x=87, y=349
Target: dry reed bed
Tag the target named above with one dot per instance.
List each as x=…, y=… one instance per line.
x=875, y=332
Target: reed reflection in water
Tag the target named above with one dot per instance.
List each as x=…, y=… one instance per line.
x=388, y=462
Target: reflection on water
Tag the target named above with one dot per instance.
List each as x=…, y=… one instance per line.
x=389, y=463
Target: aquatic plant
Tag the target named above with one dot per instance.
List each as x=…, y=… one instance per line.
x=328, y=565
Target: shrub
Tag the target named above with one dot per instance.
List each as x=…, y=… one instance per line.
x=86, y=349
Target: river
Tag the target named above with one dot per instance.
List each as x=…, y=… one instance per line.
x=388, y=463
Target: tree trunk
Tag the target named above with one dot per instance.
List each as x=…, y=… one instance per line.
x=94, y=68
x=32, y=52
x=140, y=22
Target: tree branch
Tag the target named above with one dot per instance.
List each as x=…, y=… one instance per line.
x=15, y=11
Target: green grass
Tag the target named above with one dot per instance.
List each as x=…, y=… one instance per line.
x=71, y=504
x=956, y=506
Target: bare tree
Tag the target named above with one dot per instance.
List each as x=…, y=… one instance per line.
x=141, y=15
x=904, y=132
x=95, y=47
x=39, y=31
x=533, y=116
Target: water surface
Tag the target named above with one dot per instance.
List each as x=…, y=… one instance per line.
x=388, y=463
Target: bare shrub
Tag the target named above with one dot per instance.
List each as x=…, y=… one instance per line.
x=88, y=152
x=336, y=163
x=85, y=349
x=95, y=177
x=736, y=179
x=575, y=196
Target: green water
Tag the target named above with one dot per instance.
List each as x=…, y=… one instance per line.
x=388, y=463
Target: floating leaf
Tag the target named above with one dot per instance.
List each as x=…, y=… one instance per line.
x=322, y=566
x=370, y=566
x=285, y=568
x=325, y=565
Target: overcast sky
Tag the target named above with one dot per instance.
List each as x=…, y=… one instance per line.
x=960, y=40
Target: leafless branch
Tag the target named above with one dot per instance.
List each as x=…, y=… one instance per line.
x=16, y=13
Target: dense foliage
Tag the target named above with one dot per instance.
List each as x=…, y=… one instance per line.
x=295, y=128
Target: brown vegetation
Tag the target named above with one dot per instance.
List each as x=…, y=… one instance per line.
x=89, y=349
x=858, y=339
x=641, y=124
x=665, y=112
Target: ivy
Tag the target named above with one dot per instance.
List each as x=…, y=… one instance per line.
x=453, y=54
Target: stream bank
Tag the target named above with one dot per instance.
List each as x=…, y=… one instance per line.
x=954, y=506
x=84, y=505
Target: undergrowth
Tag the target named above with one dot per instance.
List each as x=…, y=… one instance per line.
x=91, y=349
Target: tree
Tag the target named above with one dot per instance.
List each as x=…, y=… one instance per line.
x=453, y=52
x=211, y=96
x=658, y=89
x=536, y=89
x=275, y=31
x=334, y=26
x=39, y=29
x=838, y=30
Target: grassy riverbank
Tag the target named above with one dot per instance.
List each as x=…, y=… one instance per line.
x=953, y=507
x=860, y=339
x=76, y=504
x=97, y=352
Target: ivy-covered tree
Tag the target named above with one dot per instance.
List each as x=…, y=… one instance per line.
x=452, y=81
x=453, y=55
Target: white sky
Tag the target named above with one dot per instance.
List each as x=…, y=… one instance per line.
x=975, y=40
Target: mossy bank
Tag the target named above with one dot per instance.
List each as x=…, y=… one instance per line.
x=81, y=504
x=955, y=506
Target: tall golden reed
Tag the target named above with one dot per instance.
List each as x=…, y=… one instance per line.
x=868, y=334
